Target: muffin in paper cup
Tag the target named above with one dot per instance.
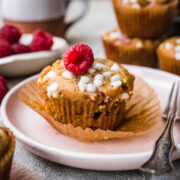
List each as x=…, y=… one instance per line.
x=144, y=18
x=141, y=114
x=7, y=145
x=136, y=51
x=95, y=99
x=169, y=55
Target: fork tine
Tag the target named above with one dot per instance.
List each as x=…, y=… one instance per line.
x=178, y=109
x=174, y=107
x=161, y=158
x=166, y=111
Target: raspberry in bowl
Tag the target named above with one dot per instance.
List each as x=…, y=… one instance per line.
x=3, y=88
x=10, y=33
x=91, y=95
x=5, y=48
x=41, y=41
x=25, y=54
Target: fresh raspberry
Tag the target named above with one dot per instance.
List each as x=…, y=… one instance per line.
x=78, y=58
x=3, y=88
x=3, y=81
x=5, y=48
x=41, y=41
x=10, y=34
x=20, y=48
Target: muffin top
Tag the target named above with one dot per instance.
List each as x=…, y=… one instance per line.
x=104, y=77
x=171, y=48
x=4, y=141
x=138, y=4
x=118, y=39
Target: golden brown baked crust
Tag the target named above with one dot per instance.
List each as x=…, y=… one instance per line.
x=169, y=55
x=102, y=108
x=7, y=145
x=126, y=50
x=146, y=21
x=4, y=141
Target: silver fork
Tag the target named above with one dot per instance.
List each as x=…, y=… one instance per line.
x=161, y=158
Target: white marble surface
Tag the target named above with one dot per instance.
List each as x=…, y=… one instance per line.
x=99, y=18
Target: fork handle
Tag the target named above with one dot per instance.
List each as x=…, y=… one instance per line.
x=161, y=158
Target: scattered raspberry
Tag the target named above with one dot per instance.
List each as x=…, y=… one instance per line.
x=3, y=88
x=10, y=34
x=5, y=48
x=41, y=41
x=3, y=81
x=78, y=59
x=20, y=48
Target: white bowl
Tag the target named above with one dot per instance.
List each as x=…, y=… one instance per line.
x=30, y=63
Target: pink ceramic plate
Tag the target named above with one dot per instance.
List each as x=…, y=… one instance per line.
x=39, y=137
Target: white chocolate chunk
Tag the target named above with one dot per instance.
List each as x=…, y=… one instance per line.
x=62, y=64
x=133, y=1
x=106, y=74
x=115, y=78
x=139, y=44
x=114, y=35
x=82, y=86
x=124, y=95
x=68, y=75
x=91, y=88
x=99, y=77
x=136, y=6
x=115, y=84
x=84, y=79
x=178, y=41
x=52, y=90
x=39, y=80
x=177, y=48
x=98, y=82
x=125, y=2
x=177, y=56
x=49, y=75
x=115, y=67
x=98, y=66
x=168, y=46
x=91, y=70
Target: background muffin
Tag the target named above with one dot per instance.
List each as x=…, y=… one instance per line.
x=169, y=55
x=94, y=99
x=143, y=18
x=7, y=145
x=126, y=50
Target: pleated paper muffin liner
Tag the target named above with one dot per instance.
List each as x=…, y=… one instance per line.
x=141, y=114
x=126, y=55
x=146, y=22
x=6, y=160
x=85, y=113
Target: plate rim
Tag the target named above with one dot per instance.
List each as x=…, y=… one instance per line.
x=29, y=141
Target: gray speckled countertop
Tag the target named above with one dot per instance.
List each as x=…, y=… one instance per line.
x=100, y=17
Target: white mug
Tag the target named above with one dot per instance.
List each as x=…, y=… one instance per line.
x=29, y=15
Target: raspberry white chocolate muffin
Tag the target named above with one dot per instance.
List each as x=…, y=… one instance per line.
x=144, y=18
x=84, y=91
x=7, y=145
x=169, y=55
x=126, y=50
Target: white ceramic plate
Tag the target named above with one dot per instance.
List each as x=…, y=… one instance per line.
x=39, y=137
x=29, y=63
